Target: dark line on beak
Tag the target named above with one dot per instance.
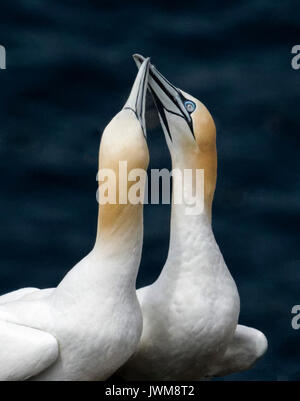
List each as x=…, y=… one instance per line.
x=161, y=111
x=139, y=114
x=164, y=89
x=143, y=105
x=138, y=95
x=130, y=108
x=159, y=83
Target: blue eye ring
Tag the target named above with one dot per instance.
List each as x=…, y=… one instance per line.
x=190, y=106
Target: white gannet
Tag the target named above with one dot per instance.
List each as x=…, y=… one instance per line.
x=89, y=325
x=190, y=313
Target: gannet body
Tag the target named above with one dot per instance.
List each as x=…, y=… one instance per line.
x=89, y=325
x=190, y=313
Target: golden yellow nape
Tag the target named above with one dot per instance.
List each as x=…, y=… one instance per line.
x=199, y=152
x=123, y=149
x=206, y=157
x=204, y=127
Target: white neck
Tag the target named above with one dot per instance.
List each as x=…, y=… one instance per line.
x=109, y=271
x=189, y=234
x=191, y=239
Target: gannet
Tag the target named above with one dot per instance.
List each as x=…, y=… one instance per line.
x=191, y=312
x=90, y=324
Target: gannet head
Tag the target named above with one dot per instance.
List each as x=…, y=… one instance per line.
x=188, y=127
x=124, y=141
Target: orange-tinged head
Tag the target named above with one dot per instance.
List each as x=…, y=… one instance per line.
x=123, y=143
x=188, y=126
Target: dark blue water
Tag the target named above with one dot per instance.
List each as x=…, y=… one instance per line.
x=69, y=70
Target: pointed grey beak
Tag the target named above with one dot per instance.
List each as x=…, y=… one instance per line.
x=166, y=96
x=137, y=98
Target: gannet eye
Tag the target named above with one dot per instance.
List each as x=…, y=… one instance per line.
x=189, y=105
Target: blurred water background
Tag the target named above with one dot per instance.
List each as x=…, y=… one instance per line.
x=69, y=70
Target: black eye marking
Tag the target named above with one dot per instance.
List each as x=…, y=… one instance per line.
x=190, y=106
x=190, y=121
x=161, y=108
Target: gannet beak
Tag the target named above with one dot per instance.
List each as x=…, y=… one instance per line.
x=137, y=98
x=167, y=98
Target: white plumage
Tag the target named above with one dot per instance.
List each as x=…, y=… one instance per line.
x=89, y=325
x=191, y=312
